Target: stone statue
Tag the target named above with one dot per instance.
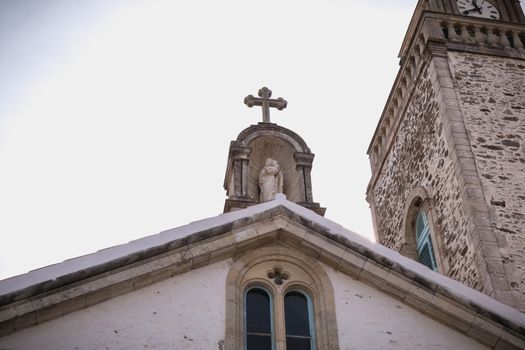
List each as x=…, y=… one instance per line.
x=270, y=180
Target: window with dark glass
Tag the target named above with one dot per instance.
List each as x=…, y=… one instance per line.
x=425, y=253
x=258, y=320
x=297, y=318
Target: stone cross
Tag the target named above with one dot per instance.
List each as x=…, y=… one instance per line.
x=265, y=102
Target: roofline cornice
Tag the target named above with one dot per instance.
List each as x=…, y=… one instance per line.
x=282, y=222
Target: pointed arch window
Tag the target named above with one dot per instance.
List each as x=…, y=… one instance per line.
x=425, y=253
x=259, y=325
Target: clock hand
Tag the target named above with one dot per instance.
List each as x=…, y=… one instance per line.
x=476, y=6
x=466, y=12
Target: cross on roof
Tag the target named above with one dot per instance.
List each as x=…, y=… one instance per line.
x=265, y=102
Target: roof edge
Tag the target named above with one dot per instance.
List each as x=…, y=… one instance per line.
x=266, y=215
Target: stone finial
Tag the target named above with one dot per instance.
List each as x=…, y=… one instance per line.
x=265, y=102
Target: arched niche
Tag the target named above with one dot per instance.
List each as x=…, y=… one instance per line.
x=247, y=156
x=265, y=147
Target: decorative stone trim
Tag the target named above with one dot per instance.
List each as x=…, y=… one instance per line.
x=304, y=274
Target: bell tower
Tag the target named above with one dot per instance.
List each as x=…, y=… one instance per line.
x=448, y=153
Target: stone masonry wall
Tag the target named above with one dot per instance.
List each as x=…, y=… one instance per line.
x=491, y=93
x=421, y=156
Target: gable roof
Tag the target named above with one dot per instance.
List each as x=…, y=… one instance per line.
x=55, y=290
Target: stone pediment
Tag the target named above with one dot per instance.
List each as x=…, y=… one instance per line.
x=56, y=290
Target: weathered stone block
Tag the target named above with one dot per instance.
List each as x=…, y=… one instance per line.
x=7, y=314
x=331, y=253
x=24, y=321
x=141, y=281
x=73, y=304
x=373, y=274
x=418, y=298
x=352, y=264
x=485, y=331
x=158, y=275
x=6, y=328
x=396, y=285
x=201, y=255
x=510, y=341
x=48, y=313
x=98, y=296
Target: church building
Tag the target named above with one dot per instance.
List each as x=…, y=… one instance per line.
x=272, y=273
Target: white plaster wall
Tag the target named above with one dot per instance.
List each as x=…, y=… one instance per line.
x=369, y=319
x=187, y=312
x=184, y=312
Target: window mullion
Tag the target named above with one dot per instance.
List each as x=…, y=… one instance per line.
x=280, y=326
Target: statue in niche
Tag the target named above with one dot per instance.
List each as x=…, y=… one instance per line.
x=270, y=180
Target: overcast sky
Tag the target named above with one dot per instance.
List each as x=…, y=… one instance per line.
x=116, y=116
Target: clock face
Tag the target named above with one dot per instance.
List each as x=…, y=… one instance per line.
x=478, y=8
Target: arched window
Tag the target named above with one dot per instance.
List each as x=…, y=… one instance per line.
x=299, y=321
x=425, y=253
x=259, y=326
x=276, y=298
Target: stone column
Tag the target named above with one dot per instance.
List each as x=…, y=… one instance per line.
x=239, y=155
x=304, y=168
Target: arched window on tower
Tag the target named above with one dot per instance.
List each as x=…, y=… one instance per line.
x=299, y=321
x=425, y=253
x=259, y=326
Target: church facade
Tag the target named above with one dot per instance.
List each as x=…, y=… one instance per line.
x=272, y=273
x=275, y=275
x=448, y=155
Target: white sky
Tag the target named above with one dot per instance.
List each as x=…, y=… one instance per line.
x=116, y=116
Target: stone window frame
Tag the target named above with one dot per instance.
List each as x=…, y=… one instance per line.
x=421, y=200
x=310, y=308
x=271, y=303
x=305, y=274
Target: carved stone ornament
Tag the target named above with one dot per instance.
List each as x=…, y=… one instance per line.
x=278, y=275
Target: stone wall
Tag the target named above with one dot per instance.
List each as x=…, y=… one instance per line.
x=421, y=156
x=491, y=94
